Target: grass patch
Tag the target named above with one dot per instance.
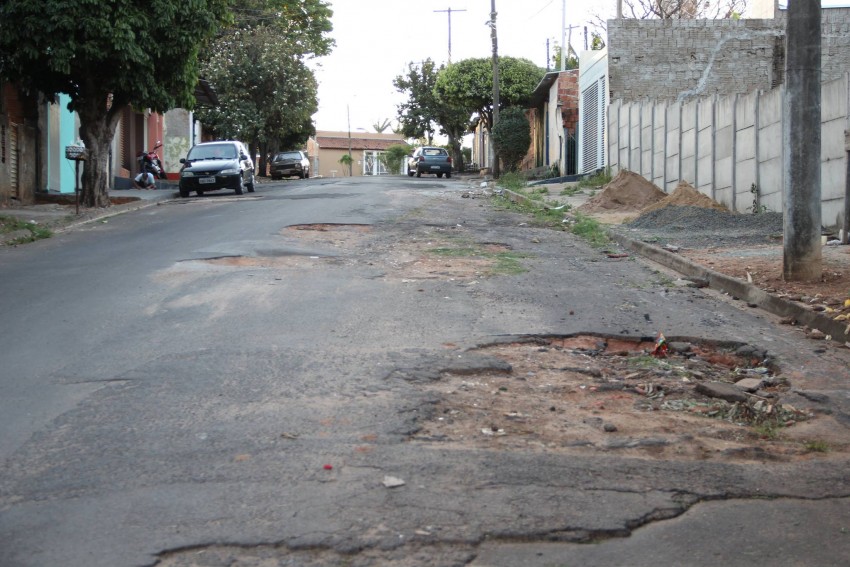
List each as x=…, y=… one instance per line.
x=512, y=181
x=817, y=446
x=590, y=230
x=504, y=263
x=10, y=224
x=598, y=180
x=768, y=430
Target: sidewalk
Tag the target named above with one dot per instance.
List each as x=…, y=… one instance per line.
x=58, y=211
x=748, y=273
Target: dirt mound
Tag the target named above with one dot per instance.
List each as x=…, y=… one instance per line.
x=685, y=196
x=626, y=192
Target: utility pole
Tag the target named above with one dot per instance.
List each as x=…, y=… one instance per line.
x=802, y=258
x=449, y=10
x=496, y=169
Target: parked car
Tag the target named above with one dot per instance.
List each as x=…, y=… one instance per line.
x=287, y=164
x=211, y=166
x=428, y=159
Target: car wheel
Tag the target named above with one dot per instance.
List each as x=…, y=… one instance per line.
x=241, y=188
x=184, y=192
x=448, y=175
x=307, y=174
x=200, y=193
x=440, y=175
x=418, y=174
x=250, y=187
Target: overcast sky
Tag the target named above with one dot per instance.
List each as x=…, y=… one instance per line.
x=376, y=39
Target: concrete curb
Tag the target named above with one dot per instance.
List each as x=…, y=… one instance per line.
x=738, y=289
x=721, y=282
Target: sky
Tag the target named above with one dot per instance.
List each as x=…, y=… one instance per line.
x=376, y=39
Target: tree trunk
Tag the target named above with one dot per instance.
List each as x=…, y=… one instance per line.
x=97, y=129
x=457, y=153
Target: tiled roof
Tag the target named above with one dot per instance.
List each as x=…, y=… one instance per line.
x=329, y=143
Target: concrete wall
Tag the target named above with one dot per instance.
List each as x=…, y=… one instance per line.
x=724, y=145
x=685, y=59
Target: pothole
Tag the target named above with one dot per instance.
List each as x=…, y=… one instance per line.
x=586, y=393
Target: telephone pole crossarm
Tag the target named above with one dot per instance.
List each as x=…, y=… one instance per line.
x=449, y=12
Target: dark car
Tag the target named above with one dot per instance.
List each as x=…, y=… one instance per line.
x=428, y=159
x=211, y=166
x=287, y=164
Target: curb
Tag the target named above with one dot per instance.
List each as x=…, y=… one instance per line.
x=115, y=210
x=738, y=289
x=838, y=331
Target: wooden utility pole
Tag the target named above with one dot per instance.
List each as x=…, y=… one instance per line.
x=802, y=254
x=449, y=10
x=496, y=169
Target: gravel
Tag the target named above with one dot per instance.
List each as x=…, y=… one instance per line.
x=700, y=227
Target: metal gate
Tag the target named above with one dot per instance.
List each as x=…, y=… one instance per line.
x=373, y=165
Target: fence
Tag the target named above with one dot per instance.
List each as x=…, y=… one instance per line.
x=729, y=147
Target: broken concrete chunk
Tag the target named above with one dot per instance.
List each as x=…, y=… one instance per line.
x=721, y=390
x=749, y=384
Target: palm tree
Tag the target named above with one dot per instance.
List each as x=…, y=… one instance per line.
x=347, y=160
x=383, y=125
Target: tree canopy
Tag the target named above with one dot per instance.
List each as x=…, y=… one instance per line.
x=468, y=84
x=512, y=136
x=267, y=94
x=106, y=56
x=418, y=115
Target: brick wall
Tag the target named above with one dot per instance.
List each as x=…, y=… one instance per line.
x=568, y=97
x=682, y=59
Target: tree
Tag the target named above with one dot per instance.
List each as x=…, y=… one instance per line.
x=394, y=156
x=417, y=116
x=468, y=86
x=572, y=60
x=512, y=136
x=106, y=57
x=674, y=10
x=257, y=66
x=347, y=161
x=425, y=112
x=266, y=93
x=382, y=125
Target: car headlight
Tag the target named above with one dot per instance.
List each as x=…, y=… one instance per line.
x=232, y=171
x=187, y=174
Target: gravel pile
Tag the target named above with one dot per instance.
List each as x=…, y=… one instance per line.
x=700, y=227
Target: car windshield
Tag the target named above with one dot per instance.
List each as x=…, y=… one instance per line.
x=287, y=155
x=213, y=151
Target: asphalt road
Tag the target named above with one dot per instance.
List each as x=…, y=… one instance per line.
x=197, y=383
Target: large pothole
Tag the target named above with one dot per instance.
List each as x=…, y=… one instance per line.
x=590, y=394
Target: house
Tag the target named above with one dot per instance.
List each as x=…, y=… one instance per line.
x=19, y=176
x=553, y=117
x=34, y=133
x=325, y=149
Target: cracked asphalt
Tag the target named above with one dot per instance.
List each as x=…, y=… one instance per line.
x=171, y=408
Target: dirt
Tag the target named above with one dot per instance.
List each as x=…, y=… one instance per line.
x=628, y=193
x=570, y=395
x=633, y=200
x=590, y=394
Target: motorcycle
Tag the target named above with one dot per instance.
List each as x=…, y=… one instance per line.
x=149, y=162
